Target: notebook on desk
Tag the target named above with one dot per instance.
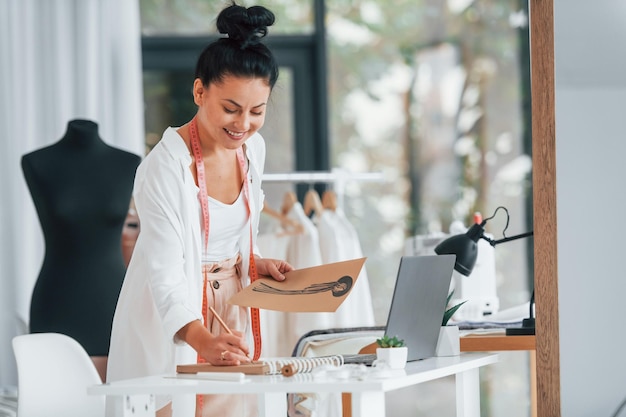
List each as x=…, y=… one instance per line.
x=417, y=306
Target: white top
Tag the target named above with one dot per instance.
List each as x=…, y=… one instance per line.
x=162, y=290
x=226, y=224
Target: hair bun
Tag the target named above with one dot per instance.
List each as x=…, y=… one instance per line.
x=245, y=25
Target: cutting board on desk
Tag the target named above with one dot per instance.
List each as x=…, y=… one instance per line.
x=252, y=368
x=287, y=366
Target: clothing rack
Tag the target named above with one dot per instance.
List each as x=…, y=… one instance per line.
x=337, y=177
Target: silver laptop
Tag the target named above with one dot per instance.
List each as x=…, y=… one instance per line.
x=419, y=301
x=417, y=306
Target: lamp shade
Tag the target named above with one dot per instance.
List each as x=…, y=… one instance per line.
x=464, y=246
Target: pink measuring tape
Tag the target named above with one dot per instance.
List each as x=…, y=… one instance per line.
x=253, y=273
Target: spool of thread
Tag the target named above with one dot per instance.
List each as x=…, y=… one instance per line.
x=288, y=370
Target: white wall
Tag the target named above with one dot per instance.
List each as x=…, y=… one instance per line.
x=590, y=65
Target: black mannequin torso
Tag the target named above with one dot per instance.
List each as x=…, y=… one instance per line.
x=81, y=188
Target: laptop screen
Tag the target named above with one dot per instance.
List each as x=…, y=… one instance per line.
x=419, y=302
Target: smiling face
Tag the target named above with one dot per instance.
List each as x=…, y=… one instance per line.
x=230, y=111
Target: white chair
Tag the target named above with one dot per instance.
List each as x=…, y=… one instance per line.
x=315, y=343
x=53, y=373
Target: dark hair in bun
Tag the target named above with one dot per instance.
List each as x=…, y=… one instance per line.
x=242, y=52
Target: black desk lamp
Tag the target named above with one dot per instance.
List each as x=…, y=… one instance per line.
x=465, y=247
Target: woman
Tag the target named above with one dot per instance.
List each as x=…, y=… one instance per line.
x=198, y=196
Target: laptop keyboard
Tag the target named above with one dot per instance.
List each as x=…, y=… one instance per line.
x=359, y=358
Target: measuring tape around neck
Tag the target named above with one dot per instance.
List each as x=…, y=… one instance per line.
x=204, y=204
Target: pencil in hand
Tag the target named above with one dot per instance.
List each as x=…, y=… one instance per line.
x=217, y=316
x=222, y=322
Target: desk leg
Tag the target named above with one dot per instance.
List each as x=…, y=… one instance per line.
x=135, y=405
x=468, y=394
x=533, y=383
x=272, y=404
x=368, y=404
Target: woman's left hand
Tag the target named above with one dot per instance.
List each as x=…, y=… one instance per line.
x=274, y=268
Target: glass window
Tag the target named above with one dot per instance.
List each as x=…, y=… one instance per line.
x=435, y=95
x=431, y=94
x=197, y=17
x=168, y=101
x=278, y=132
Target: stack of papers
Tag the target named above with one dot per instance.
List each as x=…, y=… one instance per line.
x=511, y=317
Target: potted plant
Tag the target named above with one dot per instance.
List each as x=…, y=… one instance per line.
x=392, y=351
x=449, y=343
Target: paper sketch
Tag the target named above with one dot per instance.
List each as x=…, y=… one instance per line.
x=337, y=288
x=317, y=289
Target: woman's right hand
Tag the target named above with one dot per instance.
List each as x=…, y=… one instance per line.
x=226, y=349
x=223, y=349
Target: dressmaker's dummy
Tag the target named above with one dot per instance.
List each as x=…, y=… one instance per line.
x=81, y=188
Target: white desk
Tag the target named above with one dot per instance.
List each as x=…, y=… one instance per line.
x=368, y=396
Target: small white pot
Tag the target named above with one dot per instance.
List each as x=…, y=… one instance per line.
x=449, y=343
x=394, y=357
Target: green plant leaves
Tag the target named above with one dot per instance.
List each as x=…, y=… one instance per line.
x=390, y=342
x=447, y=315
